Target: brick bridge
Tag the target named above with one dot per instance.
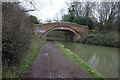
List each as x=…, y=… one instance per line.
x=77, y=30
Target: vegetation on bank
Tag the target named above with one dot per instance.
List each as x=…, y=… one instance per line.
x=80, y=62
x=19, y=69
x=19, y=44
x=100, y=39
x=17, y=32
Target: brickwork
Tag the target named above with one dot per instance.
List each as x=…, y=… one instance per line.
x=79, y=30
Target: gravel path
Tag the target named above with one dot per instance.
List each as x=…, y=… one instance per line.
x=51, y=63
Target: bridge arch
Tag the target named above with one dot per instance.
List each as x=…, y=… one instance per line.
x=78, y=30
x=76, y=37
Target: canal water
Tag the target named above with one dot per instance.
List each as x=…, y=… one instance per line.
x=102, y=59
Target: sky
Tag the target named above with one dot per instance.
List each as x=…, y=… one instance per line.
x=50, y=9
x=46, y=9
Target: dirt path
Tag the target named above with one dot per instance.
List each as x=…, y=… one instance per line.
x=50, y=63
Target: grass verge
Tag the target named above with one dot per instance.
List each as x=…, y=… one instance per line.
x=19, y=69
x=74, y=57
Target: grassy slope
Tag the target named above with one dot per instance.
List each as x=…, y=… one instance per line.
x=26, y=61
x=79, y=61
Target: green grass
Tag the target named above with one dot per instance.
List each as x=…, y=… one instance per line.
x=74, y=57
x=19, y=69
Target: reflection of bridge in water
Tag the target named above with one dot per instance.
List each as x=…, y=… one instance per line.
x=63, y=30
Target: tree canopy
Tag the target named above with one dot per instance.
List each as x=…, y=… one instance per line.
x=34, y=19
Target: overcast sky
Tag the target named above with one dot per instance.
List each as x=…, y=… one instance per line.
x=49, y=9
x=46, y=9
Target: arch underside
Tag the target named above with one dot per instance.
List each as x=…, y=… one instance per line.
x=76, y=34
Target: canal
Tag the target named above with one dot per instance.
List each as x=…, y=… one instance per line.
x=102, y=59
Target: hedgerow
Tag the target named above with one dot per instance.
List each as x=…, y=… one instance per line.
x=17, y=32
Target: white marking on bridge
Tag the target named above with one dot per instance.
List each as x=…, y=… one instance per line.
x=61, y=27
x=40, y=31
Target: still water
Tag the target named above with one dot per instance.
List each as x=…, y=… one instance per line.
x=102, y=59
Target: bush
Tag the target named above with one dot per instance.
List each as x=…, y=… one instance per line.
x=16, y=33
x=84, y=21
x=79, y=20
x=34, y=19
x=68, y=18
x=100, y=39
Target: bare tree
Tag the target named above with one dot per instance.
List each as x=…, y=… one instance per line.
x=107, y=12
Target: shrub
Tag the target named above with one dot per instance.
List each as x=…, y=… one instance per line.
x=34, y=19
x=16, y=33
x=100, y=39
x=84, y=21
x=68, y=18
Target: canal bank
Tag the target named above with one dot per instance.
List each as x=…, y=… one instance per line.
x=102, y=59
x=78, y=61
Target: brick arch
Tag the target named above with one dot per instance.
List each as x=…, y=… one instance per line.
x=78, y=30
x=77, y=34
